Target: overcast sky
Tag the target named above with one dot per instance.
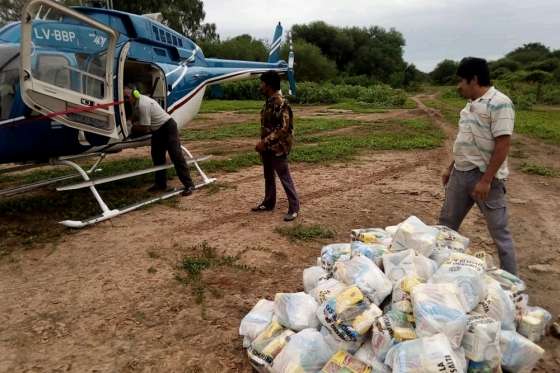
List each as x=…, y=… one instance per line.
x=433, y=29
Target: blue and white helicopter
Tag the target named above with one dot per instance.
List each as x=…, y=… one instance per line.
x=62, y=73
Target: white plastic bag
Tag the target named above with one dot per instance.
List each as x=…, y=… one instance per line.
x=312, y=276
x=327, y=289
x=497, y=305
x=373, y=252
x=366, y=354
x=343, y=362
x=306, y=352
x=467, y=272
x=507, y=280
x=451, y=239
x=519, y=354
x=349, y=315
x=333, y=253
x=366, y=275
x=534, y=322
x=414, y=234
x=481, y=341
x=407, y=263
x=296, y=311
x=400, y=299
x=371, y=236
x=439, y=308
x=256, y=321
x=267, y=346
x=336, y=344
x=384, y=332
x=426, y=355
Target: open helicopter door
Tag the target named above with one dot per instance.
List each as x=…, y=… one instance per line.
x=67, y=67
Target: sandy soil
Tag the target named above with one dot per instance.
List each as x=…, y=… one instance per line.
x=105, y=299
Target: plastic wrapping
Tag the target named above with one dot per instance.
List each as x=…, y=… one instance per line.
x=414, y=234
x=481, y=341
x=327, y=289
x=349, y=315
x=407, y=263
x=497, y=305
x=306, y=352
x=468, y=273
x=373, y=252
x=507, y=280
x=519, y=354
x=366, y=354
x=256, y=321
x=401, y=299
x=312, y=276
x=451, y=239
x=267, y=346
x=296, y=311
x=366, y=275
x=383, y=334
x=534, y=322
x=343, y=362
x=439, y=308
x=336, y=344
x=426, y=355
x=333, y=253
x=371, y=236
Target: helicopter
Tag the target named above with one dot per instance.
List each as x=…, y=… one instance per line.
x=62, y=77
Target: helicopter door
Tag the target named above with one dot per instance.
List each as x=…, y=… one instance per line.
x=67, y=67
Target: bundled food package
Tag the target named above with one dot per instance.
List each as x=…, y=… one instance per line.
x=414, y=234
x=481, y=341
x=401, y=299
x=451, y=239
x=362, y=272
x=519, y=354
x=268, y=345
x=534, y=322
x=305, y=352
x=468, y=273
x=312, y=276
x=333, y=253
x=408, y=263
x=507, y=280
x=343, y=362
x=387, y=330
x=392, y=230
x=497, y=305
x=433, y=354
x=349, y=315
x=373, y=252
x=296, y=311
x=439, y=308
x=371, y=236
x=256, y=321
x=367, y=355
x=336, y=344
x=327, y=289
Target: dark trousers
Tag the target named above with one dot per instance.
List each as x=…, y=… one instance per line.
x=166, y=139
x=278, y=165
x=458, y=202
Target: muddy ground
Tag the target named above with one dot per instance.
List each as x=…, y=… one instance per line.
x=105, y=299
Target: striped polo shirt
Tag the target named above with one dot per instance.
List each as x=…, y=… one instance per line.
x=482, y=120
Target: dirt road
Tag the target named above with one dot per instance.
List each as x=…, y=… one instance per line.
x=105, y=299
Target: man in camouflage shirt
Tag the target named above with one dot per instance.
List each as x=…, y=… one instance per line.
x=275, y=145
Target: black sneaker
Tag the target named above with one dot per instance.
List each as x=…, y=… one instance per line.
x=188, y=191
x=290, y=216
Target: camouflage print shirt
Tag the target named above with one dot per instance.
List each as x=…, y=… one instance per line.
x=277, y=125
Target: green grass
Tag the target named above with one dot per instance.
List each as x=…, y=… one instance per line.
x=541, y=124
x=357, y=107
x=240, y=106
x=192, y=267
x=535, y=169
x=302, y=232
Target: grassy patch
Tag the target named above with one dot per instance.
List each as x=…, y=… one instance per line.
x=542, y=124
x=448, y=108
x=240, y=106
x=305, y=232
x=217, y=187
x=357, y=107
x=535, y=169
x=192, y=267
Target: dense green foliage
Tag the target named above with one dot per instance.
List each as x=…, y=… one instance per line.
x=242, y=47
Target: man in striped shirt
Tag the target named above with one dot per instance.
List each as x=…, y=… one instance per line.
x=479, y=168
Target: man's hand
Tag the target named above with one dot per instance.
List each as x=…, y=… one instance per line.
x=445, y=177
x=260, y=147
x=481, y=190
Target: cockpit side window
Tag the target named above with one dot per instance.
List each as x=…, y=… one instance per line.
x=53, y=69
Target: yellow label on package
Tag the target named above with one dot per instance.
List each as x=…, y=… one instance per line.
x=368, y=237
x=348, y=298
x=343, y=362
x=408, y=283
x=403, y=334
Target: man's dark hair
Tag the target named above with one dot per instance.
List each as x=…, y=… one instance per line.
x=469, y=67
x=271, y=79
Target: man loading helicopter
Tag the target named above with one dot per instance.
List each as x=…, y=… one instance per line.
x=149, y=117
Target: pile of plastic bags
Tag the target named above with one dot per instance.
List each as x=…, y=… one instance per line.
x=407, y=298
